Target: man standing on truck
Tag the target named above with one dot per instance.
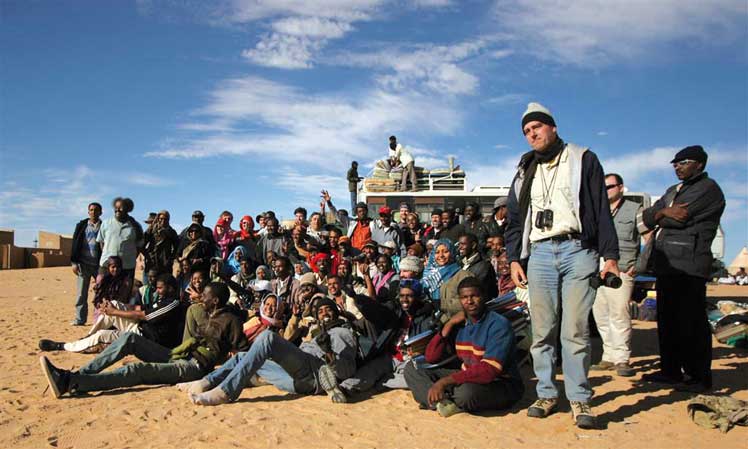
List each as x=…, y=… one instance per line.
x=353, y=180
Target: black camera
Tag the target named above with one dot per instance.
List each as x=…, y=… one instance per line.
x=610, y=281
x=544, y=219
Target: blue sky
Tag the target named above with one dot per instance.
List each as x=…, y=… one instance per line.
x=252, y=105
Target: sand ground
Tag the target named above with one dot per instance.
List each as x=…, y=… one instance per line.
x=39, y=303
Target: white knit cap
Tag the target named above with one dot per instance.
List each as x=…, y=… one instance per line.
x=537, y=112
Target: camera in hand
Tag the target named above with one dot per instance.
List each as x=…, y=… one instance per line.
x=544, y=219
x=610, y=281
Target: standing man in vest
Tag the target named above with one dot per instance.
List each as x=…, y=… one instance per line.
x=559, y=226
x=685, y=220
x=611, y=308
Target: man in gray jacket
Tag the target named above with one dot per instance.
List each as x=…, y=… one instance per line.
x=685, y=221
x=611, y=308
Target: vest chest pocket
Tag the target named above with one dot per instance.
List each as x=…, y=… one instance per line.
x=625, y=229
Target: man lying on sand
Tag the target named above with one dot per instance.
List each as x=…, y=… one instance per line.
x=312, y=368
x=189, y=361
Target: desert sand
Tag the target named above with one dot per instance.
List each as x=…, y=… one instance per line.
x=39, y=303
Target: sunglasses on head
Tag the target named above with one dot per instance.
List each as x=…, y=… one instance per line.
x=683, y=163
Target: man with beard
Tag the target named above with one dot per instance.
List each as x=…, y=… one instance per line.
x=489, y=378
x=273, y=241
x=284, y=286
x=121, y=236
x=472, y=260
x=450, y=228
x=474, y=224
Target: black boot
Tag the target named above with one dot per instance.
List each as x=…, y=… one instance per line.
x=49, y=345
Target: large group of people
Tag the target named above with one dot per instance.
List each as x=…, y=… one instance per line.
x=338, y=303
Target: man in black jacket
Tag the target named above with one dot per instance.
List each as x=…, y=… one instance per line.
x=685, y=220
x=85, y=259
x=472, y=260
x=473, y=224
x=161, y=365
x=559, y=219
x=386, y=328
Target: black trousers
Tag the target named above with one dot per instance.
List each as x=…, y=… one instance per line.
x=682, y=328
x=470, y=397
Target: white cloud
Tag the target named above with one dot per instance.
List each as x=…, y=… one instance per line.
x=602, y=133
x=312, y=27
x=146, y=180
x=284, y=51
x=508, y=99
x=436, y=67
x=282, y=123
x=598, y=32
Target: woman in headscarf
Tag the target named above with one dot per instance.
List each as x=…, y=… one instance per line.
x=113, y=285
x=270, y=317
x=441, y=277
x=386, y=282
x=235, y=259
x=247, y=228
x=160, y=244
x=197, y=252
x=224, y=237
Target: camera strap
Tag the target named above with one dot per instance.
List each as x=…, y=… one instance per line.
x=548, y=187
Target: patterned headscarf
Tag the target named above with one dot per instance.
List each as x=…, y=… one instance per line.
x=434, y=275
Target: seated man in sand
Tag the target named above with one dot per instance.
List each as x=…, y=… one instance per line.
x=389, y=327
x=117, y=318
x=489, y=378
x=312, y=368
x=161, y=365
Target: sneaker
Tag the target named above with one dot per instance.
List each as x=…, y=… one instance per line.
x=624, y=369
x=447, y=408
x=329, y=383
x=77, y=323
x=582, y=415
x=604, y=365
x=660, y=378
x=58, y=379
x=49, y=345
x=542, y=407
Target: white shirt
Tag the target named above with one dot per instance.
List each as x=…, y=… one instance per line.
x=559, y=199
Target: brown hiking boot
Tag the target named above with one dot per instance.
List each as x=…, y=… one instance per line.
x=604, y=365
x=624, y=369
x=542, y=407
x=582, y=415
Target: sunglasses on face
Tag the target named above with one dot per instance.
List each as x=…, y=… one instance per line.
x=612, y=186
x=683, y=163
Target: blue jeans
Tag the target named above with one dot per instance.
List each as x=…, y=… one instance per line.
x=139, y=373
x=85, y=273
x=128, y=343
x=561, y=268
x=270, y=356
